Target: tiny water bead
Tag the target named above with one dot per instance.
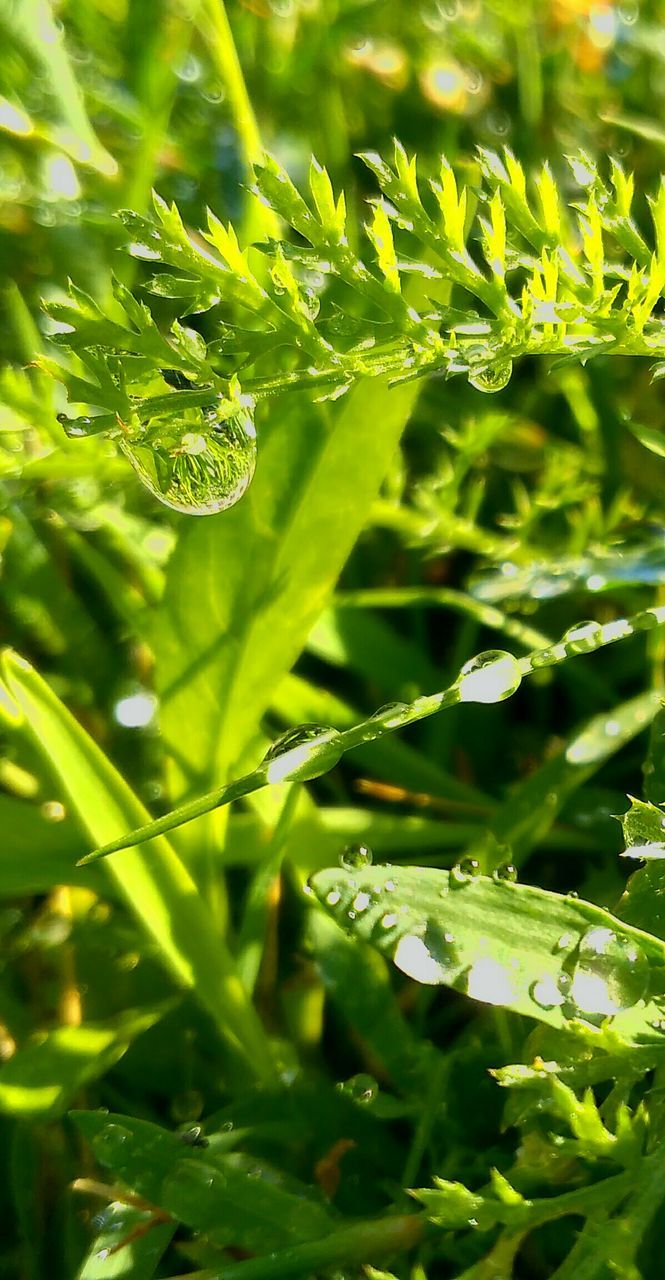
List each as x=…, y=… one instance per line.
x=610, y=974
x=390, y=713
x=464, y=872
x=492, y=377
x=361, y=1088
x=303, y=753
x=505, y=873
x=583, y=637
x=355, y=857
x=489, y=677
x=199, y=467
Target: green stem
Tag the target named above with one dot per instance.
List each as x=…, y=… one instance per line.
x=214, y=27
x=279, y=768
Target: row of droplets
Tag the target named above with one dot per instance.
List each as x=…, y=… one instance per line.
x=309, y=750
x=603, y=972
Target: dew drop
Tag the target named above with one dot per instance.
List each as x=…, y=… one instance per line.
x=110, y=1145
x=355, y=857
x=202, y=467
x=493, y=377
x=610, y=973
x=489, y=677
x=428, y=957
x=303, y=753
x=464, y=872
x=361, y=1088
x=390, y=713
x=505, y=873
x=583, y=637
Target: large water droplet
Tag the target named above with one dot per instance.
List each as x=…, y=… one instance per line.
x=489, y=677
x=493, y=377
x=428, y=957
x=112, y=1145
x=610, y=973
x=583, y=637
x=355, y=857
x=303, y=753
x=201, y=467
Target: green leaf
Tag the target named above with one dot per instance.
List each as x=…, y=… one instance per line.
x=128, y=1247
x=230, y=1198
x=217, y=667
x=40, y=1080
x=557, y=959
x=154, y=883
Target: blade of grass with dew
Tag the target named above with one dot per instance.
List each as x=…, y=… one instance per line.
x=501, y=678
x=156, y=886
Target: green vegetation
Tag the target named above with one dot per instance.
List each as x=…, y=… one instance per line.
x=332, y=779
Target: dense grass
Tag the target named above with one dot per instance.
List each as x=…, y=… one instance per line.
x=374, y=656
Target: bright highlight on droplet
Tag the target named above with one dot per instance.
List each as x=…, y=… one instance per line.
x=490, y=677
x=490, y=981
x=413, y=957
x=135, y=711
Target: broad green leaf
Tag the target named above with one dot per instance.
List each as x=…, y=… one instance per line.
x=41, y=1079
x=218, y=666
x=557, y=959
x=154, y=883
x=230, y=1198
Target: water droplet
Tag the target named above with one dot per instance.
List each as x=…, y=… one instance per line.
x=493, y=377
x=489, y=677
x=610, y=973
x=505, y=873
x=191, y=1135
x=583, y=637
x=390, y=713
x=428, y=957
x=464, y=872
x=202, y=467
x=355, y=857
x=303, y=753
x=361, y=1088
x=112, y=1145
